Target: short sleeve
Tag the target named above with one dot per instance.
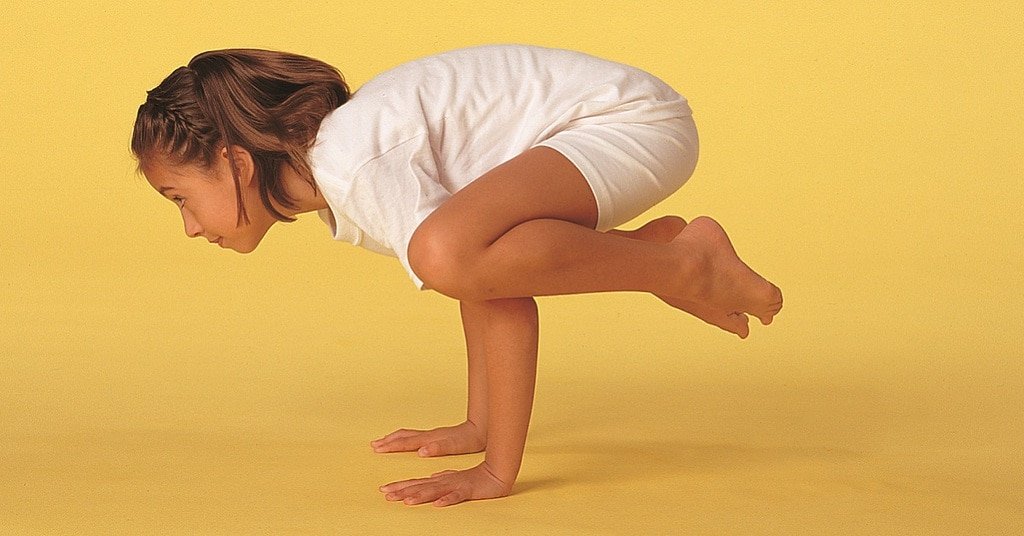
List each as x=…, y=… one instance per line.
x=392, y=194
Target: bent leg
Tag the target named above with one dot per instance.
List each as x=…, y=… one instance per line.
x=471, y=435
x=525, y=228
x=661, y=230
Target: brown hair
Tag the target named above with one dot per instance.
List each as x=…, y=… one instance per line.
x=269, y=103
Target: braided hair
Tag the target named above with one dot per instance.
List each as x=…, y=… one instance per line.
x=269, y=103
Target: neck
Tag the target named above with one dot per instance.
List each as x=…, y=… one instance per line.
x=306, y=197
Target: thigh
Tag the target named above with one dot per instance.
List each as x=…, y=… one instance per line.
x=540, y=183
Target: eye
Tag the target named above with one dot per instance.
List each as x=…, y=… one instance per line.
x=180, y=201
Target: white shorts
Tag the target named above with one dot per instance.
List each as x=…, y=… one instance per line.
x=630, y=166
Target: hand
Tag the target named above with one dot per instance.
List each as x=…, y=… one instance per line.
x=448, y=487
x=464, y=438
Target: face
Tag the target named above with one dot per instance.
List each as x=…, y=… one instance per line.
x=206, y=199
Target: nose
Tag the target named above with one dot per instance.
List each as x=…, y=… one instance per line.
x=192, y=227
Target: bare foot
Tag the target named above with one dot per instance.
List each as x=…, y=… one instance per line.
x=724, y=290
x=465, y=438
x=662, y=230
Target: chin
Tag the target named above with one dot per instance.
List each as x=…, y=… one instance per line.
x=244, y=250
x=247, y=247
x=247, y=243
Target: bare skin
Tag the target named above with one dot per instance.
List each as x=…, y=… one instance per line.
x=525, y=229
x=470, y=436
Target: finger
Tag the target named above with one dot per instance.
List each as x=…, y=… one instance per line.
x=402, y=484
x=445, y=472
x=435, y=448
x=398, y=434
x=396, y=445
x=412, y=492
x=401, y=444
x=426, y=493
x=454, y=497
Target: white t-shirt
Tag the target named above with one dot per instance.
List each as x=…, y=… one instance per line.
x=414, y=135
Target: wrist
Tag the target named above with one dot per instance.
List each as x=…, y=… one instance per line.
x=504, y=481
x=479, y=426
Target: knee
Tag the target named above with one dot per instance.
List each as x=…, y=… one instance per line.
x=444, y=262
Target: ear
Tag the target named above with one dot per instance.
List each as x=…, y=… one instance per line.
x=243, y=163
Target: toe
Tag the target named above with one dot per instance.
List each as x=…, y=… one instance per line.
x=738, y=323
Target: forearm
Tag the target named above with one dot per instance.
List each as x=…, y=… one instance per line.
x=511, y=371
x=474, y=325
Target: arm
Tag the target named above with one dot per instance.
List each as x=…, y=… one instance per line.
x=506, y=332
x=471, y=435
x=474, y=325
x=511, y=355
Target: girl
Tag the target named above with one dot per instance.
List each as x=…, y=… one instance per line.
x=494, y=174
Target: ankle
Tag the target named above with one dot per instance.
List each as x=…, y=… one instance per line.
x=689, y=264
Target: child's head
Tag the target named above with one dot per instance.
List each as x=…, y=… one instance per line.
x=241, y=113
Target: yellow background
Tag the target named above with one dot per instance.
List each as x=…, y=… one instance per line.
x=866, y=158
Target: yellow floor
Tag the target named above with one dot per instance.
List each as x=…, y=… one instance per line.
x=633, y=433
x=865, y=158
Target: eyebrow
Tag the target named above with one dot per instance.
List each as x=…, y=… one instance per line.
x=165, y=188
